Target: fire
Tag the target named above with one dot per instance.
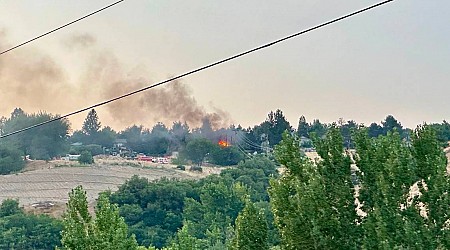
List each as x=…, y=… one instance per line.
x=223, y=143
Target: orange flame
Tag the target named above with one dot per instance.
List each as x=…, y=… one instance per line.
x=223, y=143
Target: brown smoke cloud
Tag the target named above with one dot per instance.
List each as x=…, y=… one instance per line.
x=35, y=81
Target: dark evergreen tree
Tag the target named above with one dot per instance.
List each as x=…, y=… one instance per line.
x=91, y=125
x=318, y=128
x=375, y=130
x=390, y=124
x=303, y=127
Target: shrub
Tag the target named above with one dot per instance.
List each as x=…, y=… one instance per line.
x=85, y=158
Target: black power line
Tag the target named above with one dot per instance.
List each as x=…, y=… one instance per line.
x=60, y=27
x=199, y=69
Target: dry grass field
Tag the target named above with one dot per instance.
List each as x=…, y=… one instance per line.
x=43, y=187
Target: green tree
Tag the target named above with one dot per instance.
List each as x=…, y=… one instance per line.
x=78, y=231
x=85, y=158
x=219, y=204
x=274, y=126
x=197, y=149
x=313, y=205
x=10, y=207
x=375, y=130
x=251, y=229
x=106, y=137
x=185, y=241
x=44, y=142
x=303, y=127
x=390, y=168
x=107, y=231
x=334, y=169
x=11, y=160
x=153, y=210
x=390, y=124
x=225, y=156
x=434, y=184
x=91, y=125
x=346, y=131
x=19, y=230
x=110, y=228
x=318, y=128
x=158, y=140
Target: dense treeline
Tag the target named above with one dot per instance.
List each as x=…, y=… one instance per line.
x=310, y=206
x=155, y=211
x=44, y=142
x=314, y=204
x=197, y=145
x=19, y=230
x=397, y=175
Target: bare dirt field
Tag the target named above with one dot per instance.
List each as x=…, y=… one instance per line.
x=43, y=187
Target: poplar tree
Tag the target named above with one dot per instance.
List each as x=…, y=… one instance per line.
x=251, y=229
x=107, y=231
x=403, y=188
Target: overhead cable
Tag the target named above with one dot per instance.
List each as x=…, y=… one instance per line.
x=60, y=27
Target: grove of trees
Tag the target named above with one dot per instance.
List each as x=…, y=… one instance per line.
x=377, y=187
x=314, y=203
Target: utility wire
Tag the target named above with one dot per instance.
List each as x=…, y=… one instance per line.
x=60, y=27
x=248, y=142
x=201, y=68
x=243, y=151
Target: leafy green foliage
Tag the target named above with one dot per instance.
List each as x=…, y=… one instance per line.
x=19, y=230
x=153, y=210
x=254, y=174
x=107, y=231
x=85, y=158
x=307, y=200
x=184, y=240
x=205, y=210
x=313, y=203
x=197, y=149
x=442, y=132
x=44, y=142
x=10, y=207
x=251, y=229
x=273, y=127
x=11, y=160
x=225, y=156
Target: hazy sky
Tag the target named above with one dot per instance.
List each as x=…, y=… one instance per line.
x=392, y=60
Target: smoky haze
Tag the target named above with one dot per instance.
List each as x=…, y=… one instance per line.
x=35, y=81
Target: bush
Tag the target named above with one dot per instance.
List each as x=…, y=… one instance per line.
x=11, y=160
x=85, y=158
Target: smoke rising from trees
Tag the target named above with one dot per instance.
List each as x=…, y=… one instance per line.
x=35, y=81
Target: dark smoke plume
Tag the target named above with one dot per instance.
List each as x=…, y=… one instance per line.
x=34, y=81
